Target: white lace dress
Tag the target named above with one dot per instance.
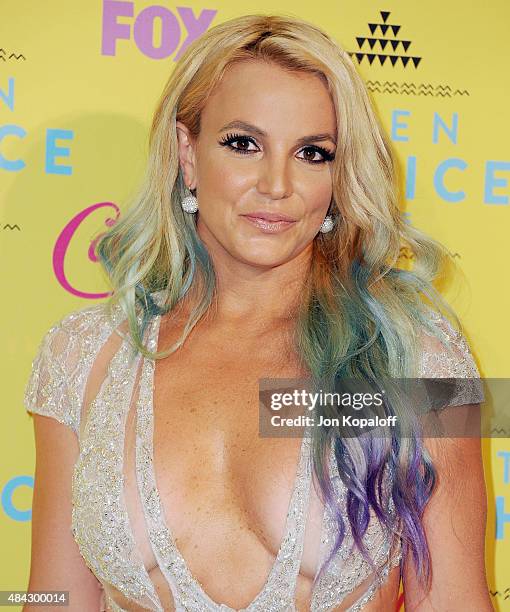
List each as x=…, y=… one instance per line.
x=101, y=524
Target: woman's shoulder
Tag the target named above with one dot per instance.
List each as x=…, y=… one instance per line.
x=92, y=319
x=446, y=353
x=63, y=358
x=79, y=331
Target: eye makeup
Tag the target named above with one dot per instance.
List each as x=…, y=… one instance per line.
x=229, y=139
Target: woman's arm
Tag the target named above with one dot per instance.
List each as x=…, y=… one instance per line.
x=454, y=523
x=56, y=563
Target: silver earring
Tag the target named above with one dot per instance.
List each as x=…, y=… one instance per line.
x=327, y=224
x=189, y=203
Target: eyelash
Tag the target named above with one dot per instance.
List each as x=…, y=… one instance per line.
x=230, y=138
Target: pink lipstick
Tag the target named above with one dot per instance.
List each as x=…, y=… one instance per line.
x=269, y=222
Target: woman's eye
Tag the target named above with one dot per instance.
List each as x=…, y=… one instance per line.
x=312, y=152
x=245, y=143
x=244, y=140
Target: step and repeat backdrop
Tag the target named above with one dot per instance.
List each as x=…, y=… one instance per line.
x=78, y=85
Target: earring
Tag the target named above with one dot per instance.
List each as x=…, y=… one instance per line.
x=327, y=224
x=189, y=203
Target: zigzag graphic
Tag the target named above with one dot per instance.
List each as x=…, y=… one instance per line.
x=499, y=430
x=505, y=594
x=12, y=55
x=408, y=254
x=11, y=227
x=424, y=89
x=388, y=41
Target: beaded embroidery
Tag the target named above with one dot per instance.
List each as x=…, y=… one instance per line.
x=99, y=519
x=100, y=523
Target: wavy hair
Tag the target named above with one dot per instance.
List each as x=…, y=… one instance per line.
x=361, y=313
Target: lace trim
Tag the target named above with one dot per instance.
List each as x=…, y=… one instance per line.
x=454, y=360
x=100, y=522
x=63, y=360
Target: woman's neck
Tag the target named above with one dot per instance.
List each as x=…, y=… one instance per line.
x=257, y=296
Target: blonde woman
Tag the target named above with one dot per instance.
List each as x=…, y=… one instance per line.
x=263, y=243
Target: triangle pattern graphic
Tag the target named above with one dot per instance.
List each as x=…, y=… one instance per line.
x=382, y=42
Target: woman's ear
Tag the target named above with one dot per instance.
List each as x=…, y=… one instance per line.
x=187, y=157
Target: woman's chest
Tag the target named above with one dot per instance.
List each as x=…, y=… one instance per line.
x=225, y=490
x=177, y=459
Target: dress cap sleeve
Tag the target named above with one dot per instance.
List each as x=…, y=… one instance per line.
x=451, y=359
x=60, y=367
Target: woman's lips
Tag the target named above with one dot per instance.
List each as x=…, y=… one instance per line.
x=268, y=227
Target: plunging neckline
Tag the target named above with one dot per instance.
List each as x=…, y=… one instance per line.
x=183, y=584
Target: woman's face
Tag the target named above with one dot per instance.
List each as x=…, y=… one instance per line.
x=266, y=144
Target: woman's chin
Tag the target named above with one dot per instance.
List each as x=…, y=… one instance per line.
x=265, y=259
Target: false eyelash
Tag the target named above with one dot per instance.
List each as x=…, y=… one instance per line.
x=229, y=138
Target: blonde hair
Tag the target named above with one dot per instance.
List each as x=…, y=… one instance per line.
x=361, y=312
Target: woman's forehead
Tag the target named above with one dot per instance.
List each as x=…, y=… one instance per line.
x=275, y=99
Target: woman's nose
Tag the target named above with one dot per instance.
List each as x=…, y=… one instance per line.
x=275, y=179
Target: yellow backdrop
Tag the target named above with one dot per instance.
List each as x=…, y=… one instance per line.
x=78, y=85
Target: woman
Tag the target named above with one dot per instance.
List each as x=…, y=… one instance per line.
x=263, y=244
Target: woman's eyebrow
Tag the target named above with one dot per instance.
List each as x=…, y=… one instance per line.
x=249, y=127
